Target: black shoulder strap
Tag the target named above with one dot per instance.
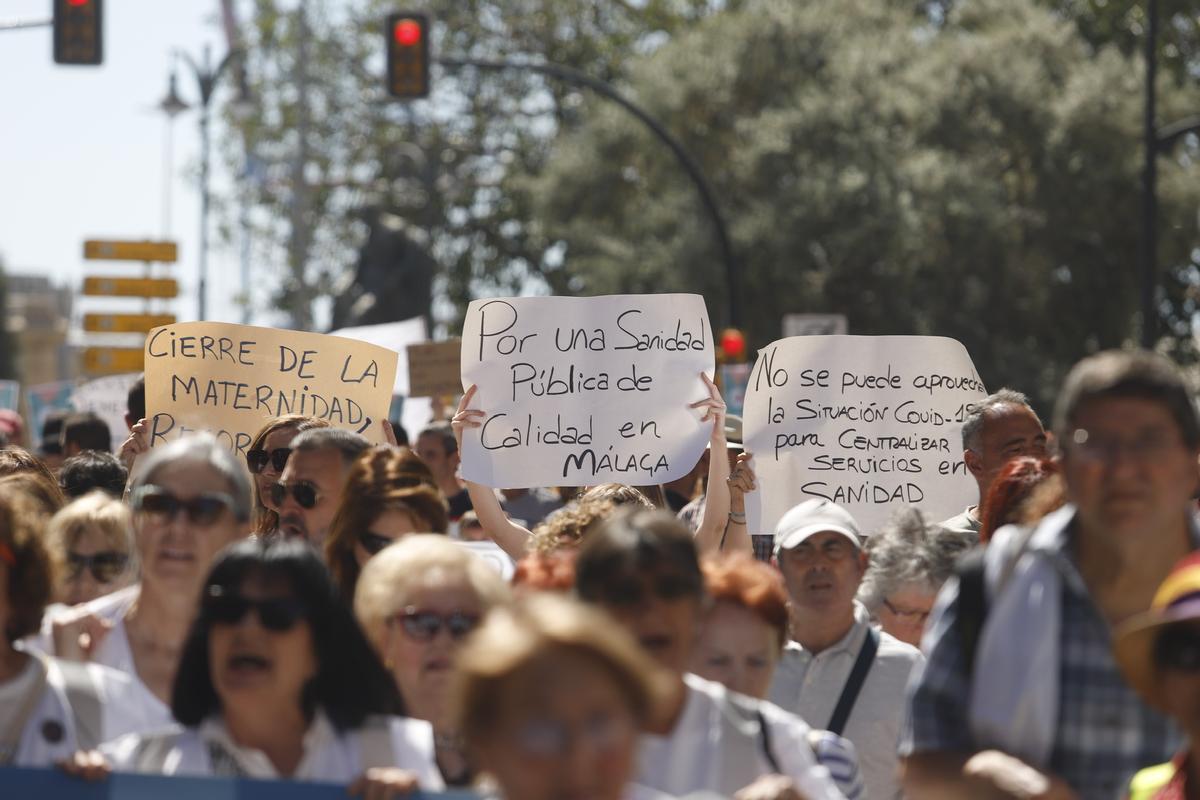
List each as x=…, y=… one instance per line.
x=854, y=682
x=765, y=738
x=972, y=603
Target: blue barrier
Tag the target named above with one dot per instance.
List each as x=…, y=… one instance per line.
x=20, y=784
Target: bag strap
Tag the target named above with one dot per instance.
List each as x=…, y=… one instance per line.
x=854, y=682
x=764, y=737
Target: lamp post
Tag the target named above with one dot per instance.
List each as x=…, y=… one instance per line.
x=206, y=80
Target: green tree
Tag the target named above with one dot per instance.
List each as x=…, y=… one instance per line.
x=974, y=177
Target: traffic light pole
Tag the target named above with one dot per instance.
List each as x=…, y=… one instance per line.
x=707, y=198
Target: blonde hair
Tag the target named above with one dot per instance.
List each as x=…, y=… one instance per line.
x=389, y=579
x=96, y=511
x=537, y=627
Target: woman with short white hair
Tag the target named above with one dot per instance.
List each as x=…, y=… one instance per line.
x=417, y=600
x=92, y=538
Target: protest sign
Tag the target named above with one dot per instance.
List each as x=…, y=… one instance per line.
x=397, y=336
x=433, y=368
x=43, y=399
x=586, y=390
x=10, y=395
x=25, y=783
x=230, y=379
x=868, y=422
x=108, y=398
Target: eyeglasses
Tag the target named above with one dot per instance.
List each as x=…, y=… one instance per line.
x=907, y=614
x=275, y=613
x=1101, y=449
x=105, y=566
x=373, y=542
x=303, y=492
x=257, y=459
x=423, y=626
x=1178, y=648
x=632, y=591
x=203, y=509
x=547, y=738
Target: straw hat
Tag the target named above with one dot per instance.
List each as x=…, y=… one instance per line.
x=1177, y=600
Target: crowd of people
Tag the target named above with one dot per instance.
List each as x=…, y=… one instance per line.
x=319, y=610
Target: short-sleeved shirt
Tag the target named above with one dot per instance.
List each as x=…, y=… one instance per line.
x=965, y=523
x=1105, y=732
x=809, y=686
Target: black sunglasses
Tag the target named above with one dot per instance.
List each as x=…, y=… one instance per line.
x=303, y=492
x=105, y=566
x=423, y=626
x=257, y=459
x=373, y=542
x=1178, y=648
x=275, y=614
x=203, y=509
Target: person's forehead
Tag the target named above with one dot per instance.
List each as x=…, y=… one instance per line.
x=1124, y=414
x=1007, y=419
x=189, y=478
x=326, y=461
x=431, y=441
x=280, y=437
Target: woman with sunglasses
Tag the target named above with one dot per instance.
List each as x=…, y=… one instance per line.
x=93, y=538
x=416, y=601
x=550, y=695
x=642, y=568
x=389, y=493
x=266, y=457
x=277, y=681
x=190, y=501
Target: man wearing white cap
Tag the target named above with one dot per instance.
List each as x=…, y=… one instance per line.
x=839, y=672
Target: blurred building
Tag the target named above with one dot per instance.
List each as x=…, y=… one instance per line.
x=38, y=318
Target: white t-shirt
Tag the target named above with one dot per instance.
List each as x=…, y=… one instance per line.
x=146, y=712
x=52, y=731
x=712, y=749
x=329, y=756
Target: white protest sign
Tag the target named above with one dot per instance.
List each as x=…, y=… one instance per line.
x=108, y=398
x=586, y=390
x=868, y=422
x=230, y=379
x=397, y=336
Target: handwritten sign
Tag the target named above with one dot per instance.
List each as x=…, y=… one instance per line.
x=586, y=390
x=229, y=379
x=22, y=783
x=108, y=398
x=868, y=422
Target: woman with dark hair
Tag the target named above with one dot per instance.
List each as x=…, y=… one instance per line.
x=642, y=567
x=266, y=457
x=276, y=680
x=389, y=493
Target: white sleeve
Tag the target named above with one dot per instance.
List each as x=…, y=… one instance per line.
x=412, y=743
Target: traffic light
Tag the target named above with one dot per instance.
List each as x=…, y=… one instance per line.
x=78, y=32
x=732, y=347
x=408, y=55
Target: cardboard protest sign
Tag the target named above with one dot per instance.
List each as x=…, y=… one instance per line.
x=433, y=368
x=868, y=422
x=586, y=390
x=108, y=398
x=229, y=379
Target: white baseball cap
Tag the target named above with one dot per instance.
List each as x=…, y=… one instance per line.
x=812, y=517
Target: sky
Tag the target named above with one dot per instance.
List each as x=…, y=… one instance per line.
x=82, y=152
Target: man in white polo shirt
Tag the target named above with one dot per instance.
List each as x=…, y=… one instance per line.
x=839, y=672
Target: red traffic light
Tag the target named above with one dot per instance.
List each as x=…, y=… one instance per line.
x=733, y=344
x=78, y=32
x=408, y=55
x=407, y=33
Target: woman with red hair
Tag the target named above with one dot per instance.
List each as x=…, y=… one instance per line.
x=1010, y=490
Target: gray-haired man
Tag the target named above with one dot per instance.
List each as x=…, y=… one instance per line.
x=998, y=428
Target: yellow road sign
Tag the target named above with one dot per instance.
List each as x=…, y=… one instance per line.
x=99, y=249
x=125, y=323
x=130, y=287
x=112, y=360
